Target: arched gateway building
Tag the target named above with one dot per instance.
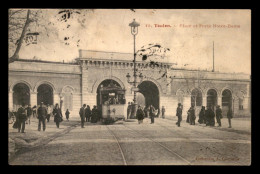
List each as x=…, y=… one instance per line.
x=33, y=82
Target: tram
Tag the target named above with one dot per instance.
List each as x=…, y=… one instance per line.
x=112, y=102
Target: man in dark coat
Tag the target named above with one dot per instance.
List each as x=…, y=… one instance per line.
x=88, y=113
x=94, y=114
x=179, y=114
x=140, y=114
x=163, y=112
x=57, y=115
x=67, y=113
x=151, y=113
x=202, y=115
x=218, y=115
x=210, y=116
x=229, y=116
x=82, y=115
x=192, y=115
x=29, y=113
x=21, y=118
x=42, y=113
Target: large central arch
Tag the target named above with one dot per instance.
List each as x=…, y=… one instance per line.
x=21, y=95
x=151, y=93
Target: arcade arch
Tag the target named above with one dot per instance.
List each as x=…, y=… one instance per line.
x=21, y=94
x=212, y=98
x=45, y=94
x=151, y=93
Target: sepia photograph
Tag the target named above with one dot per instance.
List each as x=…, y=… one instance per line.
x=129, y=87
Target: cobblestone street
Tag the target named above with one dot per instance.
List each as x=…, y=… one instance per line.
x=130, y=143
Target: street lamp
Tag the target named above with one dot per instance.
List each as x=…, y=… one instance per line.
x=134, y=31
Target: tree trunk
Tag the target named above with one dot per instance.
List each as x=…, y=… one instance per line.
x=16, y=54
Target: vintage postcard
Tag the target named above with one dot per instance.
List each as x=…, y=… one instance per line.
x=129, y=87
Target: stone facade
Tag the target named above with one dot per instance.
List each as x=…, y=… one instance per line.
x=79, y=82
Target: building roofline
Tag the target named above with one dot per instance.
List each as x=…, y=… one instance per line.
x=44, y=61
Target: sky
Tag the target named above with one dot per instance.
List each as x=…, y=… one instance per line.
x=190, y=36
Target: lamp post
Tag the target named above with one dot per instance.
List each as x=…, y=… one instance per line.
x=134, y=31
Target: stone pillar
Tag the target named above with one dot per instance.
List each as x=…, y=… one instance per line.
x=33, y=98
x=10, y=100
x=56, y=99
x=204, y=100
x=220, y=100
x=84, y=83
x=169, y=87
x=186, y=104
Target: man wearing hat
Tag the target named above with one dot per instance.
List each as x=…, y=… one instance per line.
x=179, y=114
x=42, y=113
x=82, y=115
x=218, y=115
x=21, y=118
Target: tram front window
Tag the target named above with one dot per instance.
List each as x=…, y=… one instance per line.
x=113, y=99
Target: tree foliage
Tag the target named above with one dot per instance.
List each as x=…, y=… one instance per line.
x=37, y=21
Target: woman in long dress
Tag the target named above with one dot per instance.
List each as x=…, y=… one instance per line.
x=57, y=115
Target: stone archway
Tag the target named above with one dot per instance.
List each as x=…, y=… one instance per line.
x=151, y=93
x=45, y=94
x=196, y=99
x=212, y=98
x=226, y=100
x=21, y=95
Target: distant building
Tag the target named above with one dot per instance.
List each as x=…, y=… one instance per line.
x=75, y=84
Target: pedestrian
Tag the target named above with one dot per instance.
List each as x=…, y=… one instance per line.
x=67, y=113
x=42, y=114
x=57, y=115
x=146, y=110
x=188, y=117
x=151, y=113
x=34, y=109
x=192, y=115
x=128, y=110
x=29, y=113
x=229, y=116
x=218, y=115
x=21, y=118
x=82, y=115
x=88, y=113
x=163, y=112
x=49, y=111
x=202, y=115
x=179, y=114
x=140, y=114
x=210, y=116
x=94, y=115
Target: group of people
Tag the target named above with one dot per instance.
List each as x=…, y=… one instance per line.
x=43, y=113
x=149, y=111
x=206, y=116
x=88, y=115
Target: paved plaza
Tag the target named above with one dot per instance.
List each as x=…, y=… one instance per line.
x=130, y=143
